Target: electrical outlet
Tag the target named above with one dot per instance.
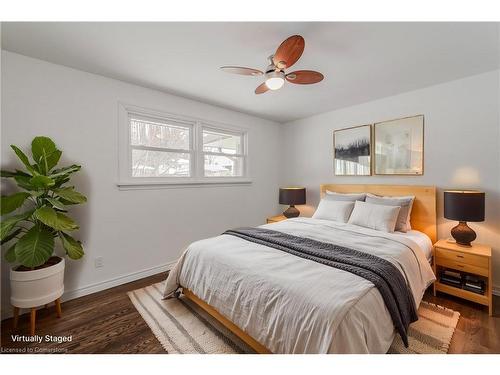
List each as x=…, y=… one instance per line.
x=99, y=262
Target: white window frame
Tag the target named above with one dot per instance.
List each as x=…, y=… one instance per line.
x=169, y=121
x=202, y=152
x=197, y=170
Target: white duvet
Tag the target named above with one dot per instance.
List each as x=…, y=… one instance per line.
x=294, y=305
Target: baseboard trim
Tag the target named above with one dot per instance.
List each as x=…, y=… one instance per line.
x=110, y=283
x=106, y=284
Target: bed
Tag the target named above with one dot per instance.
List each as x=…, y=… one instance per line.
x=280, y=303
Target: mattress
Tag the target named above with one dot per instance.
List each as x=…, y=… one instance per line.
x=294, y=305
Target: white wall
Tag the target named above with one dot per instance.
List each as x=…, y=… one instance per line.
x=462, y=136
x=132, y=230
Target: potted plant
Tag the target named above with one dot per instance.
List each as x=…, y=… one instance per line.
x=33, y=219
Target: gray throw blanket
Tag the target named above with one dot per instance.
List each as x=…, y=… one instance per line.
x=384, y=275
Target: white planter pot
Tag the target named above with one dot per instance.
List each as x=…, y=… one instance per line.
x=38, y=287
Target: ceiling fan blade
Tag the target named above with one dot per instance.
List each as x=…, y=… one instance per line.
x=289, y=52
x=241, y=70
x=261, y=89
x=304, y=77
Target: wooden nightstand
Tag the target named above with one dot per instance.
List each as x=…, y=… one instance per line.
x=275, y=219
x=475, y=260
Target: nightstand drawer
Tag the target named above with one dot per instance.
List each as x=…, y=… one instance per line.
x=456, y=265
x=463, y=257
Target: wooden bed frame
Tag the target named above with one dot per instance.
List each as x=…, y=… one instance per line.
x=245, y=337
x=423, y=218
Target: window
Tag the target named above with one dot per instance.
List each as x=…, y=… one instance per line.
x=159, y=148
x=222, y=153
x=162, y=149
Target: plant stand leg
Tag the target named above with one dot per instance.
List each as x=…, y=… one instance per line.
x=58, y=308
x=33, y=320
x=16, y=317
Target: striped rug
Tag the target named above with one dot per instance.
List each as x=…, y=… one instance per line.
x=182, y=327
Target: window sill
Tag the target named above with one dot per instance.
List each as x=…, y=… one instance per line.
x=153, y=185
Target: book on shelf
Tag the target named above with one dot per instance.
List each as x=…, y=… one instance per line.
x=474, y=284
x=453, y=282
x=473, y=289
x=477, y=286
x=447, y=276
x=451, y=273
x=473, y=279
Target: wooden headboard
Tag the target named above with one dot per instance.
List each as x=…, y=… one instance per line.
x=423, y=213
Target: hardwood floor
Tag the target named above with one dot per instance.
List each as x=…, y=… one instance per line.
x=104, y=322
x=476, y=332
x=107, y=322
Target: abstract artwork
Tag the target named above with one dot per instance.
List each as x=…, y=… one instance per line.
x=352, y=151
x=399, y=146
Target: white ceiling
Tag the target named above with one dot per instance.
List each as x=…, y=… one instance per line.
x=360, y=61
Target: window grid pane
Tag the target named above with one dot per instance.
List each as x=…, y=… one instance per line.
x=222, y=142
x=223, y=166
x=159, y=134
x=146, y=163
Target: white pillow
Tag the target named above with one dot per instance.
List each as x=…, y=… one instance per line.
x=406, y=204
x=350, y=197
x=333, y=210
x=374, y=216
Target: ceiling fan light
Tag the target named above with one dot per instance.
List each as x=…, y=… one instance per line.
x=275, y=83
x=275, y=80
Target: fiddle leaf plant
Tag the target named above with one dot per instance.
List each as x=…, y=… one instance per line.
x=34, y=218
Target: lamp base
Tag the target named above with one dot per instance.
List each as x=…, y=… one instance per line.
x=463, y=234
x=291, y=212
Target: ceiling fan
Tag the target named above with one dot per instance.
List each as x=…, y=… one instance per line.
x=286, y=55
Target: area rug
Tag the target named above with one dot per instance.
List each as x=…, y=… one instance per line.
x=184, y=328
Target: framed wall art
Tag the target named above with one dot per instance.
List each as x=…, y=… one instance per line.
x=352, y=151
x=399, y=146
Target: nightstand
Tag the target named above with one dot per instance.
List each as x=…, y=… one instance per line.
x=275, y=219
x=474, y=260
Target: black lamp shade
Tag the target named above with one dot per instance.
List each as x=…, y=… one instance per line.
x=292, y=196
x=462, y=205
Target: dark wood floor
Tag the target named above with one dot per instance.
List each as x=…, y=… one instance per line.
x=104, y=322
x=107, y=322
x=476, y=332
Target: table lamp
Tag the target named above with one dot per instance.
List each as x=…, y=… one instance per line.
x=463, y=206
x=292, y=196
